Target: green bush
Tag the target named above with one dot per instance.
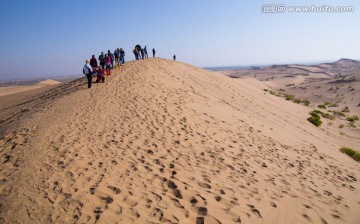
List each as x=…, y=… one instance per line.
x=352, y=124
x=315, y=120
x=273, y=93
x=341, y=126
x=346, y=109
x=306, y=102
x=315, y=113
x=322, y=106
x=352, y=118
x=350, y=152
x=338, y=113
x=297, y=101
x=328, y=116
x=289, y=97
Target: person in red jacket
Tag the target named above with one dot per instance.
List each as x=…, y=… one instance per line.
x=100, y=74
x=93, y=62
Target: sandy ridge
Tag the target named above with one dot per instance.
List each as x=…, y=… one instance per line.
x=163, y=141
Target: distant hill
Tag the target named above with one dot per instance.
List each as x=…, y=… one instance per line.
x=342, y=65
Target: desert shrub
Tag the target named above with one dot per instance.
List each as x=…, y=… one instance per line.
x=289, y=97
x=328, y=116
x=353, y=118
x=333, y=105
x=306, y=102
x=327, y=103
x=322, y=106
x=338, y=113
x=273, y=93
x=341, y=126
x=350, y=152
x=352, y=124
x=346, y=109
x=297, y=101
x=315, y=120
x=315, y=113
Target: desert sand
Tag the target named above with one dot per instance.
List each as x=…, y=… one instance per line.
x=166, y=142
x=336, y=82
x=8, y=90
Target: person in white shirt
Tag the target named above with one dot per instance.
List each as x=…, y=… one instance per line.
x=88, y=71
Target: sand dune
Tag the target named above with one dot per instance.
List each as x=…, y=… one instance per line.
x=8, y=90
x=336, y=84
x=166, y=142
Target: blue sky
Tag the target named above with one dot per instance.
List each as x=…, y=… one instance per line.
x=53, y=38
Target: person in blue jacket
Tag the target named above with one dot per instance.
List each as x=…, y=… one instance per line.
x=88, y=71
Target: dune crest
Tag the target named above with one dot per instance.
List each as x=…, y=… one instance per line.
x=166, y=142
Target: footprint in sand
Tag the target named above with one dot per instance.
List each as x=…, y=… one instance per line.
x=204, y=185
x=114, y=189
x=255, y=211
x=273, y=204
x=97, y=212
x=200, y=220
x=202, y=211
x=193, y=201
x=307, y=217
x=108, y=200
x=218, y=198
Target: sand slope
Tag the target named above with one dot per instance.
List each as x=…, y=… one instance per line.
x=165, y=142
x=8, y=90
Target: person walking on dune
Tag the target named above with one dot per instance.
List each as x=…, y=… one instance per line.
x=88, y=71
x=174, y=57
x=153, y=52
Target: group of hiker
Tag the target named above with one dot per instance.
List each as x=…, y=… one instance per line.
x=141, y=53
x=106, y=63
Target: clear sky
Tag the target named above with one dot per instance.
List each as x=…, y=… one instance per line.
x=53, y=38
